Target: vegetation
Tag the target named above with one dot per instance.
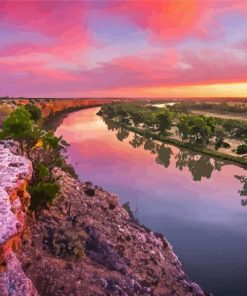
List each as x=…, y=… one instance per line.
x=177, y=127
x=41, y=147
x=34, y=112
x=199, y=129
x=214, y=107
x=242, y=149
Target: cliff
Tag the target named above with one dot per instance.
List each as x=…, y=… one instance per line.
x=86, y=243
x=15, y=172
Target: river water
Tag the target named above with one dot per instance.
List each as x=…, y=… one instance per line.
x=197, y=202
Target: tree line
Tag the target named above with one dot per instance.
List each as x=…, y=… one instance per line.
x=195, y=129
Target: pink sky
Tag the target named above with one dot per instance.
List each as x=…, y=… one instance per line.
x=123, y=48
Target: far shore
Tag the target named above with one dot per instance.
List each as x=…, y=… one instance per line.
x=53, y=120
x=165, y=139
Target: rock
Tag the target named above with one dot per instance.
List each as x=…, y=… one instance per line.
x=15, y=172
x=89, y=191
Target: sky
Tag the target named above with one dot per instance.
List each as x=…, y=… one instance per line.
x=122, y=48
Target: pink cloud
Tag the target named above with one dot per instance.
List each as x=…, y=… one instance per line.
x=173, y=20
x=62, y=22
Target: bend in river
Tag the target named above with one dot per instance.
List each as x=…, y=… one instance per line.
x=196, y=201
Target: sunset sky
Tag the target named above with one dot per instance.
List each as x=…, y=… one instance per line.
x=123, y=48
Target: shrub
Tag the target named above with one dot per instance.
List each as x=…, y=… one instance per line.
x=65, y=242
x=242, y=149
x=34, y=112
x=41, y=147
x=42, y=194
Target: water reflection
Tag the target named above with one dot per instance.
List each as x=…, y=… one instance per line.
x=199, y=165
x=243, y=191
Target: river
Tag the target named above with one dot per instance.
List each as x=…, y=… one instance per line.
x=197, y=202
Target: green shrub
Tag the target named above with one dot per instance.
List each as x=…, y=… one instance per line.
x=42, y=194
x=242, y=149
x=34, y=112
x=41, y=147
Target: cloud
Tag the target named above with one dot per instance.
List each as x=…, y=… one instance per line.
x=143, y=44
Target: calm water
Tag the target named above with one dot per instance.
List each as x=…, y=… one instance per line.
x=193, y=200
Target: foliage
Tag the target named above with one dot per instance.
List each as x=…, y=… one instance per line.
x=34, y=112
x=42, y=193
x=242, y=149
x=41, y=147
x=214, y=107
x=196, y=131
x=199, y=129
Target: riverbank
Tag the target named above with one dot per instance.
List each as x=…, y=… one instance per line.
x=54, y=119
x=165, y=139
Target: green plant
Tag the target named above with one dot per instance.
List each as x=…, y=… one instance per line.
x=34, y=111
x=42, y=193
x=242, y=149
x=41, y=147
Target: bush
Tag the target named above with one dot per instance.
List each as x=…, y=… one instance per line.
x=41, y=147
x=42, y=194
x=242, y=149
x=34, y=112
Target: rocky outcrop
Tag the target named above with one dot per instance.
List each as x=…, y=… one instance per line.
x=15, y=172
x=86, y=243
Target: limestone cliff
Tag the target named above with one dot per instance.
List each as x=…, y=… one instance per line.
x=15, y=172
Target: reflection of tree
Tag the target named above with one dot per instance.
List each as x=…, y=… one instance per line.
x=163, y=155
x=243, y=192
x=200, y=165
x=122, y=134
x=137, y=141
x=149, y=145
x=182, y=159
x=111, y=126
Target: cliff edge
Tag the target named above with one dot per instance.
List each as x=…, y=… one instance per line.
x=15, y=172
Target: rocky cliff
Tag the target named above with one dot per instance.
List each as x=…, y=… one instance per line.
x=15, y=172
x=86, y=243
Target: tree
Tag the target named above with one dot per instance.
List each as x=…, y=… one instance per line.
x=242, y=149
x=164, y=121
x=198, y=128
x=34, y=112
